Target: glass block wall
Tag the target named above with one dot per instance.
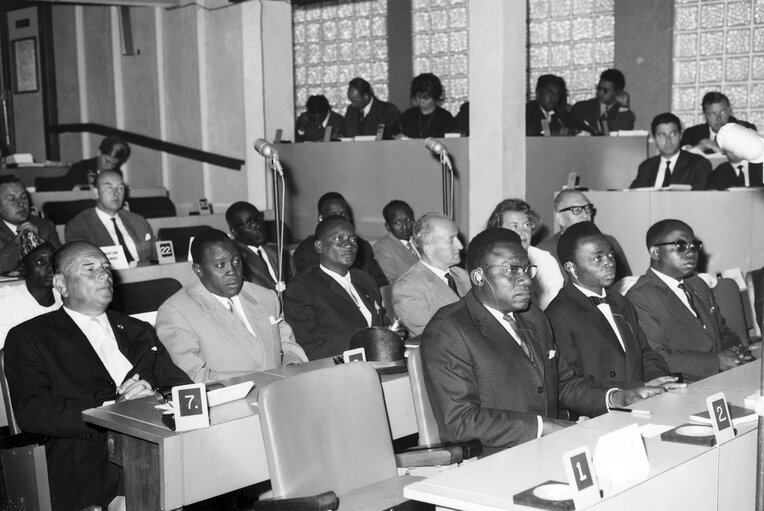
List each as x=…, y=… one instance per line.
x=719, y=45
x=334, y=42
x=573, y=39
x=441, y=35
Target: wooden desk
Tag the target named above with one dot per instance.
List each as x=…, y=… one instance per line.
x=681, y=477
x=166, y=470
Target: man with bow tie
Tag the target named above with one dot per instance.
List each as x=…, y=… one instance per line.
x=79, y=357
x=597, y=329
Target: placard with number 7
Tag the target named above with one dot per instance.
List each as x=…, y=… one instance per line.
x=189, y=403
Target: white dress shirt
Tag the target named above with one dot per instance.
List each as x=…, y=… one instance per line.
x=260, y=252
x=105, y=219
x=662, y=169
x=13, y=228
x=347, y=285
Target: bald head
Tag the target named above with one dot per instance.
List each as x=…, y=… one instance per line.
x=571, y=207
x=82, y=274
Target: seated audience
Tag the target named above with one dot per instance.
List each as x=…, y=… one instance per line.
x=673, y=165
x=718, y=112
x=113, y=152
x=34, y=295
x=517, y=215
x=221, y=326
x=396, y=252
x=609, y=110
x=329, y=302
x=596, y=328
x=490, y=363
x=259, y=258
x=305, y=256
x=735, y=172
x=571, y=207
x=16, y=217
x=435, y=280
x=545, y=108
x=108, y=224
x=75, y=358
x=676, y=308
x=427, y=118
x=312, y=125
x=366, y=112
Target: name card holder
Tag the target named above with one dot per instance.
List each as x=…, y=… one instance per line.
x=585, y=491
x=190, y=407
x=721, y=420
x=165, y=252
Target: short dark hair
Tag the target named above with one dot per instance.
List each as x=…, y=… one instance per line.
x=328, y=223
x=485, y=242
x=545, y=80
x=572, y=238
x=665, y=118
x=8, y=179
x=107, y=146
x=204, y=239
x=615, y=77
x=237, y=207
x=112, y=171
x=317, y=104
x=709, y=98
x=362, y=86
x=658, y=231
x=387, y=211
x=513, y=205
x=427, y=83
x=327, y=198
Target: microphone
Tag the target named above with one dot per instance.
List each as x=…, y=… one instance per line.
x=434, y=146
x=742, y=142
x=265, y=148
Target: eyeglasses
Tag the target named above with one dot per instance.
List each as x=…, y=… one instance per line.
x=683, y=246
x=516, y=272
x=577, y=210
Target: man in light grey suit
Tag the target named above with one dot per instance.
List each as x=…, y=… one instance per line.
x=108, y=224
x=221, y=326
x=434, y=281
x=396, y=252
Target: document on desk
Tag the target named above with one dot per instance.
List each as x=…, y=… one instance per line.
x=228, y=394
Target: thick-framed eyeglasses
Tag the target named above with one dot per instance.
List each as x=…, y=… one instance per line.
x=577, y=210
x=516, y=272
x=682, y=246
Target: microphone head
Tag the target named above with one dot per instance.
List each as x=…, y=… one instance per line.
x=264, y=148
x=741, y=142
x=434, y=146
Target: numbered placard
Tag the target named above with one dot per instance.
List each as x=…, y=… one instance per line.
x=584, y=489
x=165, y=252
x=190, y=407
x=116, y=256
x=204, y=207
x=720, y=417
x=354, y=355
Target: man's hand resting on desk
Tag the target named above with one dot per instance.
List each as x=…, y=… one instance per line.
x=667, y=382
x=623, y=398
x=133, y=388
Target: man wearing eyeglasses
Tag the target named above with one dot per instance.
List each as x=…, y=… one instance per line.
x=572, y=207
x=718, y=112
x=677, y=310
x=491, y=367
x=609, y=110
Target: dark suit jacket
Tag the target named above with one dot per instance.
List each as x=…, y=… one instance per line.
x=725, y=176
x=82, y=173
x=588, y=112
x=9, y=253
x=674, y=332
x=86, y=226
x=305, y=257
x=689, y=169
x=312, y=132
x=533, y=117
x=381, y=112
x=481, y=384
x=694, y=134
x=323, y=315
x=622, y=268
x=255, y=269
x=54, y=374
x=590, y=346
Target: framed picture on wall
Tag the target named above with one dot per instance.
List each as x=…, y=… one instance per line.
x=25, y=65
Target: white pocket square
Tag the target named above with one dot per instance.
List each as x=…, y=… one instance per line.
x=148, y=236
x=552, y=354
x=275, y=321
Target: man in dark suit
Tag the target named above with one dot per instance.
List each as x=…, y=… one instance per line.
x=108, y=224
x=395, y=252
x=305, y=256
x=113, y=152
x=595, y=328
x=559, y=123
x=311, y=126
x=328, y=303
x=490, y=364
x=677, y=310
x=260, y=258
x=735, y=173
x=76, y=358
x=366, y=112
x=673, y=165
x=15, y=218
x=717, y=111
x=609, y=110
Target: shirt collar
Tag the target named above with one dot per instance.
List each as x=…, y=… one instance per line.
x=437, y=271
x=496, y=313
x=104, y=216
x=341, y=279
x=82, y=319
x=672, y=160
x=586, y=292
x=670, y=281
x=12, y=227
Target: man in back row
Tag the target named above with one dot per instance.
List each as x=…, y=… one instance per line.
x=718, y=112
x=366, y=112
x=396, y=252
x=609, y=110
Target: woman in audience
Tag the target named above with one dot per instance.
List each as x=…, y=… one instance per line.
x=426, y=118
x=516, y=215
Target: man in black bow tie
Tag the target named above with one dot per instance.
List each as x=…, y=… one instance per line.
x=596, y=329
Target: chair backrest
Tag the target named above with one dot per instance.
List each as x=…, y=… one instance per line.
x=425, y=419
x=152, y=207
x=60, y=212
x=755, y=282
x=143, y=296
x=326, y=430
x=180, y=237
x=727, y=295
x=13, y=426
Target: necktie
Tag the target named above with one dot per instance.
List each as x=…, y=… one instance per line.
x=691, y=301
x=596, y=300
x=667, y=176
x=236, y=313
x=121, y=240
x=740, y=176
x=260, y=251
x=411, y=248
x=115, y=362
x=451, y=283
x=520, y=335
x=361, y=121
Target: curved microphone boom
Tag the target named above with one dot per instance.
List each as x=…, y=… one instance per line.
x=265, y=148
x=434, y=146
x=438, y=149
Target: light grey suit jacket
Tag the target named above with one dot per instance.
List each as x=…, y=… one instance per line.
x=208, y=342
x=394, y=258
x=88, y=227
x=419, y=293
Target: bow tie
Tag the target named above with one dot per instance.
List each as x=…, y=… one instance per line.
x=596, y=300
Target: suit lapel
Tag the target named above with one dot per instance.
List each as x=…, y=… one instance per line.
x=6, y=236
x=367, y=297
x=75, y=340
x=594, y=315
x=338, y=290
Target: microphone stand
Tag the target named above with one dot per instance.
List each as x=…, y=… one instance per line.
x=447, y=172
x=279, y=200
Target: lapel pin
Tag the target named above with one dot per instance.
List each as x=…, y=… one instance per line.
x=154, y=348
x=119, y=325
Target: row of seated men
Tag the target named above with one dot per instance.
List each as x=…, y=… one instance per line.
x=497, y=368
